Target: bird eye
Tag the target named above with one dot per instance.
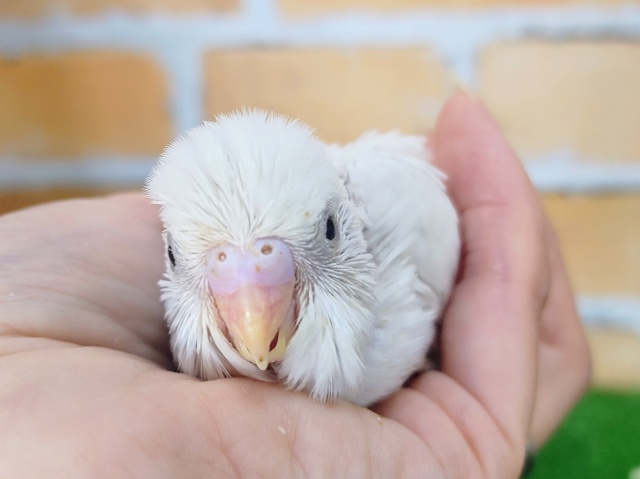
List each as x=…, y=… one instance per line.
x=172, y=258
x=170, y=253
x=330, y=232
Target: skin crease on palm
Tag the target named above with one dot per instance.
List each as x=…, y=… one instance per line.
x=88, y=388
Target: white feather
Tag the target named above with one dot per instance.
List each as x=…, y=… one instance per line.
x=411, y=228
x=367, y=302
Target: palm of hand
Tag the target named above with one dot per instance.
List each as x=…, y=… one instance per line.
x=85, y=282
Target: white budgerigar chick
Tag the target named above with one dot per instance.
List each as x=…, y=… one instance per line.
x=324, y=268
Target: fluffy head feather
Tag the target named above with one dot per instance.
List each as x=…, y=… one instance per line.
x=252, y=175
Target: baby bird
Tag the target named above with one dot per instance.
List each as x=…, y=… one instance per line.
x=322, y=267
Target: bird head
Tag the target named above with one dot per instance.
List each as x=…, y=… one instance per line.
x=267, y=271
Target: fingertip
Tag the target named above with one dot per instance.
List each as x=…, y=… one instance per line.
x=461, y=99
x=469, y=146
x=462, y=113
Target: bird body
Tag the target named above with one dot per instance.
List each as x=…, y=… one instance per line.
x=322, y=267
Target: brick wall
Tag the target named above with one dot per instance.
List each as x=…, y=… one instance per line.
x=91, y=91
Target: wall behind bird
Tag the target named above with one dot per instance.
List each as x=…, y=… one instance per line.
x=92, y=90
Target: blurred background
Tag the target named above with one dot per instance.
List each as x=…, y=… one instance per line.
x=92, y=90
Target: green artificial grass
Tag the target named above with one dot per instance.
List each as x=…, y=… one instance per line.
x=600, y=439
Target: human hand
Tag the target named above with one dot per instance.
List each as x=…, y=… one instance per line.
x=489, y=187
x=88, y=389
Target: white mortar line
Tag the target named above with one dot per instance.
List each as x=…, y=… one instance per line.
x=96, y=172
x=263, y=11
x=547, y=176
x=367, y=27
x=446, y=30
x=563, y=172
x=183, y=63
x=456, y=36
x=614, y=312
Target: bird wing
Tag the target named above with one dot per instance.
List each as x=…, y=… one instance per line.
x=411, y=229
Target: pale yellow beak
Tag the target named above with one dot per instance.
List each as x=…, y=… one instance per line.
x=259, y=320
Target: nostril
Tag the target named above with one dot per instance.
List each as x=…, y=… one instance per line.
x=266, y=249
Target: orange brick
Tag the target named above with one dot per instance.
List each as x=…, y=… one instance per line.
x=83, y=103
x=29, y=8
x=576, y=96
x=615, y=358
x=341, y=93
x=309, y=7
x=600, y=237
x=13, y=200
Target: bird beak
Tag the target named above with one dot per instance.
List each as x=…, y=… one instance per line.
x=255, y=316
x=253, y=292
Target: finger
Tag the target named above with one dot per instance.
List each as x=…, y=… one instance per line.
x=494, y=310
x=564, y=363
x=489, y=336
